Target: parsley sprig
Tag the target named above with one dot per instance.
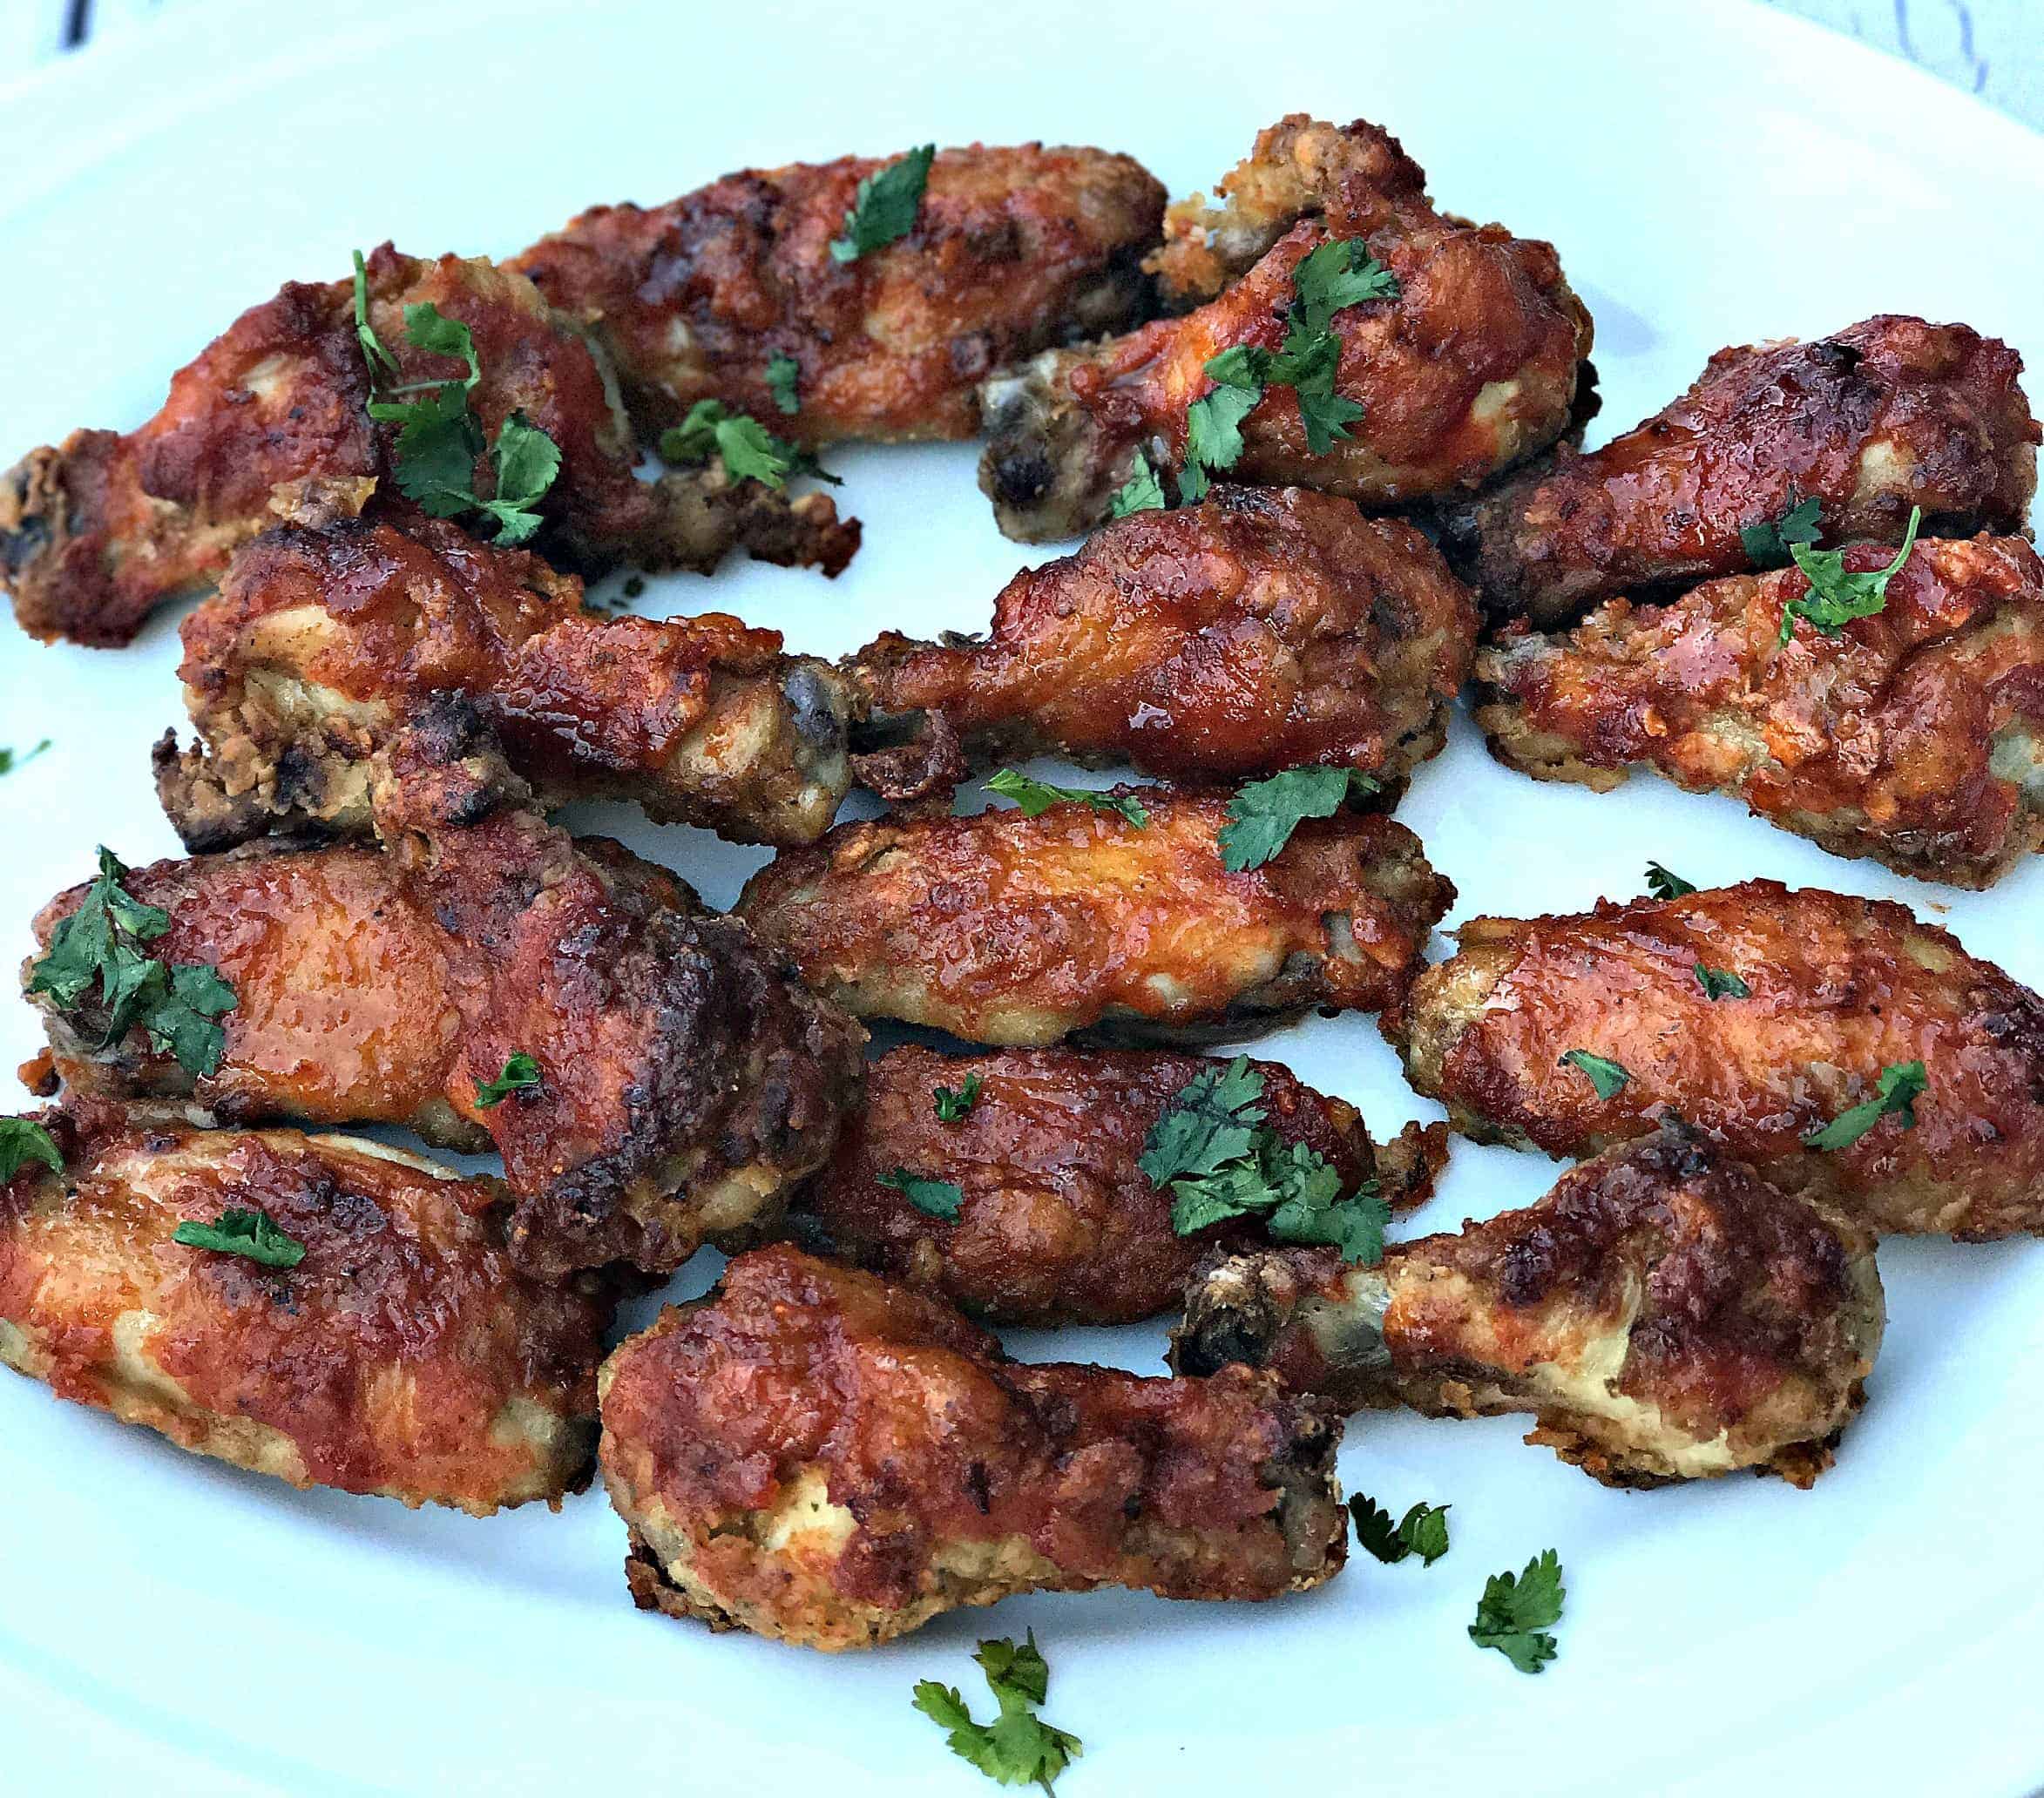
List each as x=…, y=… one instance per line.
x=1515, y=1612
x=952, y=1105
x=521, y=1074
x=1220, y=1160
x=98, y=946
x=884, y=207
x=252, y=1235
x=1019, y=1747
x=1897, y=1092
x=22, y=1140
x=1835, y=598
x=1422, y=1530
x=939, y=1199
x=748, y=450
x=1034, y=797
x=1262, y=816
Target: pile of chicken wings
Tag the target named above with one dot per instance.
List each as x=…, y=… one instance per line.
x=1807, y=583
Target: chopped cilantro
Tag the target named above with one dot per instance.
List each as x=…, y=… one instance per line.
x=1607, y=1077
x=1515, y=1612
x=1767, y=543
x=933, y=1198
x=952, y=1106
x=1036, y=797
x=1835, y=596
x=521, y=1074
x=884, y=207
x=1719, y=984
x=1663, y=885
x=1262, y=816
x=784, y=382
x=1897, y=1091
x=249, y=1233
x=748, y=450
x=1141, y=492
x=22, y=1140
x=1422, y=1530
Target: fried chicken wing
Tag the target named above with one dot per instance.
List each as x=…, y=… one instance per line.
x=1472, y=365
x=684, y=1081
x=1839, y=991
x=1012, y=250
x=1056, y=1222
x=1257, y=632
x=1915, y=736
x=321, y=643
x=812, y=1454
x=271, y=421
x=1665, y=1314
x=403, y=1355
x=1890, y=414
x=1010, y=929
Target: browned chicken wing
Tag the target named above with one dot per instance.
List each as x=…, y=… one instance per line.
x=403, y=1355
x=321, y=643
x=1056, y=1222
x=1838, y=992
x=1012, y=251
x=1915, y=736
x=1472, y=365
x=1257, y=632
x=271, y=421
x=1889, y=414
x=1006, y=929
x=1664, y=1314
x=814, y=1455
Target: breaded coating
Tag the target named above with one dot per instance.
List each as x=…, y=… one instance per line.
x=270, y=422
x=1915, y=736
x=685, y=1081
x=1010, y=929
x=1473, y=365
x=1890, y=414
x=1664, y=1313
x=321, y=643
x=1012, y=250
x=812, y=1454
x=1056, y=1222
x=404, y=1355
x=1256, y=632
x=1840, y=989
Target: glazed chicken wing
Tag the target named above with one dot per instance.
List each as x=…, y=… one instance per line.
x=1012, y=251
x=1889, y=414
x=1470, y=367
x=321, y=643
x=1056, y=1222
x=1664, y=1314
x=814, y=1455
x=683, y=1081
x=1915, y=736
x=1257, y=632
x=403, y=1355
x=271, y=421
x=1839, y=991
x=1004, y=929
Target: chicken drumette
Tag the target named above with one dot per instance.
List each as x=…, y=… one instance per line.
x=1889, y=414
x=401, y=1354
x=1920, y=1069
x=1257, y=632
x=812, y=1454
x=272, y=421
x=1006, y=929
x=1056, y=1221
x=1470, y=366
x=1664, y=1314
x=1915, y=736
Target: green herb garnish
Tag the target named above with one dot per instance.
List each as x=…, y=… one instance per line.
x=248, y=1234
x=1605, y=1076
x=10, y=760
x=885, y=206
x=1515, y=1613
x=952, y=1106
x=1141, y=492
x=1019, y=1747
x=784, y=382
x=1897, y=1092
x=1663, y=885
x=1422, y=1531
x=1262, y=816
x=1036, y=797
x=22, y=1140
x=748, y=450
x=521, y=1074
x=1836, y=598
x=933, y=1198
x=1769, y=544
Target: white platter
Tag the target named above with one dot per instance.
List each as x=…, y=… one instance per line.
x=1712, y=174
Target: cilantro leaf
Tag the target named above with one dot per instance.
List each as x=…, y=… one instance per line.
x=1326, y=417
x=252, y=1235
x=373, y=351
x=10, y=760
x=1141, y=492
x=1663, y=885
x=429, y=328
x=526, y=461
x=748, y=450
x=1338, y=273
x=22, y=1140
x=1514, y=1613
x=1605, y=1076
x=1211, y=1121
x=1836, y=598
x=884, y=207
x=1719, y=984
x=521, y=1074
x=1897, y=1091
x=1767, y=544
x=1036, y=797
x=1263, y=815
x=1019, y=1747
x=784, y=382
x=952, y=1106
x=1423, y=1531
x=933, y=1198
x=1212, y=436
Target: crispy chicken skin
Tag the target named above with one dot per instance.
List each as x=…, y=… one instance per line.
x=1257, y=632
x=1057, y=1223
x=812, y=1454
x=404, y=1355
x=1890, y=414
x=1014, y=930
x=1841, y=989
x=1665, y=1314
x=321, y=642
x=685, y=1081
x=1473, y=367
x=1915, y=736
x=270, y=422
x=1012, y=251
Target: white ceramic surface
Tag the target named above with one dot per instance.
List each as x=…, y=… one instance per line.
x=1712, y=174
